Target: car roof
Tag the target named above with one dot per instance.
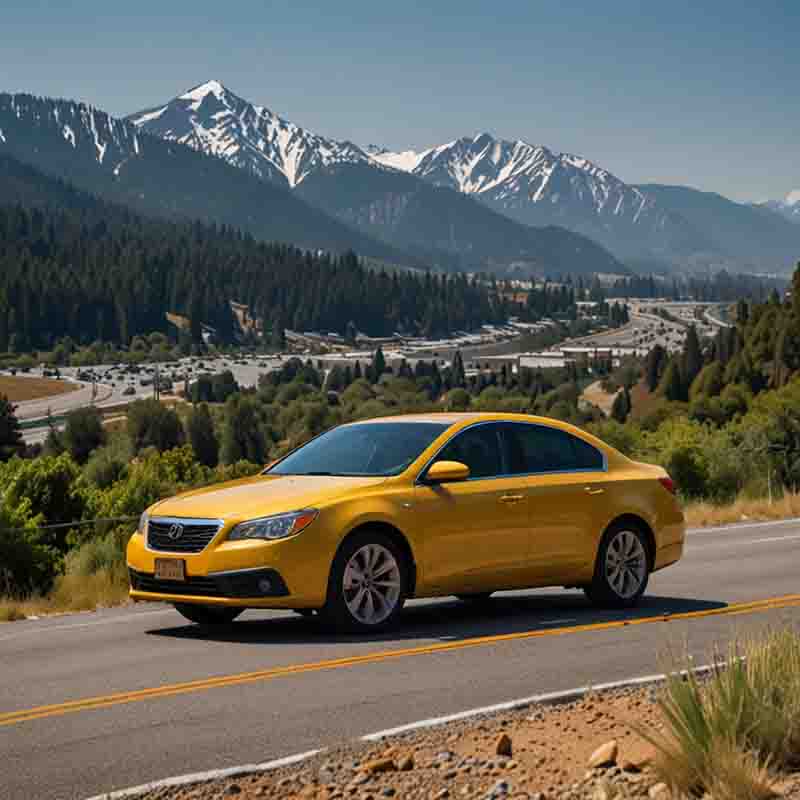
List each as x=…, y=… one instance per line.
x=466, y=417
x=462, y=419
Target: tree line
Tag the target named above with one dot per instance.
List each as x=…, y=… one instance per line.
x=100, y=273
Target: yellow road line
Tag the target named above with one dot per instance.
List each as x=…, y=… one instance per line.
x=168, y=690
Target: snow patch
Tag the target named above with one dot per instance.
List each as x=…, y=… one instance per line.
x=148, y=116
x=69, y=134
x=793, y=198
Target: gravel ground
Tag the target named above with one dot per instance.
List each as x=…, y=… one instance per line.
x=585, y=750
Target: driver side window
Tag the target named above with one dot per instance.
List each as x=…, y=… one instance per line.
x=478, y=448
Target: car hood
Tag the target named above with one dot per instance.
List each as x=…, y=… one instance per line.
x=260, y=496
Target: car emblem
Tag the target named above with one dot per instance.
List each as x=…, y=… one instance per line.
x=175, y=531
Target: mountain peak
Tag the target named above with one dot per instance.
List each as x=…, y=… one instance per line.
x=213, y=119
x=200, y=92
x=793, y=198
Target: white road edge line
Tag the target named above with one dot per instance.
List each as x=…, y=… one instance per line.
x=70, y=626
x=202, y=777
x=733, y=526
x=549, y=698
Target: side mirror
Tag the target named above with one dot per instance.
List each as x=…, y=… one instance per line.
x=447, y=472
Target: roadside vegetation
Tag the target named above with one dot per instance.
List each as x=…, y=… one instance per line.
x=731, y=734
x=728, y=735
x=723, y=417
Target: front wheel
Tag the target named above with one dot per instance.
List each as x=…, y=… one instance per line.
x=622, y=568
x=208, y=615
x=367, y=585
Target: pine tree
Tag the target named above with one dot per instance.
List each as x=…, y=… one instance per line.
x=459, y=376
x=378, y=365
x=11, y=442
x=654, y=365
x=201, y=435
x=692, y=359
x=621, y=406
x=671, y=385
x=278, y=335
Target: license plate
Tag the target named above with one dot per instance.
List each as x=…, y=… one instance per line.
x=170, y=569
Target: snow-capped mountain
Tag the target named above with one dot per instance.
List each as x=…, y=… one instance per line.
x=517, y=172
x=381, y=199
x=212, y=119
x=119, y=162
x=538, y=186
x=382, y=192
x=789, y=207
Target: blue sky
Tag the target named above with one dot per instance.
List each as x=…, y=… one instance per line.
x=700, y=93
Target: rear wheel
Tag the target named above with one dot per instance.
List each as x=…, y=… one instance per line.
x=622, y=568
x=368, y=584
x=208, y=615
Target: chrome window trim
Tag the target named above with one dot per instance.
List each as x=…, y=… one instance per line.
x=419, y=481
x=182, y=521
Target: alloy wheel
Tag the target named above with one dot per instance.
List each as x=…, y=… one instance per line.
x=626, y=564
x=372, y=584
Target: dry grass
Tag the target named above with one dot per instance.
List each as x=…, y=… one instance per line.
x=104, y=588
x=703, y=514
x=728, y=735
x=19, y=389
x=597, y=396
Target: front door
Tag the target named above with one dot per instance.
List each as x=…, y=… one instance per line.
x=475, y=532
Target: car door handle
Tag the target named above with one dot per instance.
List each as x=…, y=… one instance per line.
x=593, y=490
x=512, y=498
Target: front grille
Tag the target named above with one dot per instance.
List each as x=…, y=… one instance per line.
x=194, y=536
x=193, y=585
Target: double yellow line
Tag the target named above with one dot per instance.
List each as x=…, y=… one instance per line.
x=223, y=681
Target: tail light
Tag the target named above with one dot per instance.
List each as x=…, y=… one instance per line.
x=668, y=484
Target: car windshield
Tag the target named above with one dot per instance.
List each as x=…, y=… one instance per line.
x=371, y=449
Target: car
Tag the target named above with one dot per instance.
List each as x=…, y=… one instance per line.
x=369, y=514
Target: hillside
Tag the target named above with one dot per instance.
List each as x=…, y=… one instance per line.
x=112, y=158
x=438, y=225
x=74, y=265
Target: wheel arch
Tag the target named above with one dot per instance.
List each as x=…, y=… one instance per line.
x=397, y=536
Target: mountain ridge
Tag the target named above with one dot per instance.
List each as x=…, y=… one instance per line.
x=401, y=209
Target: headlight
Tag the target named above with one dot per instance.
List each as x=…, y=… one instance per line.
x=278, y=526
x=143, y=520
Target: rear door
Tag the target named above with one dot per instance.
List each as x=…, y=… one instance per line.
x=566, y=482
x=476, y=532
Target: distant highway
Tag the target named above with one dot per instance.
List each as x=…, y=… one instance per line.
x=153, y=696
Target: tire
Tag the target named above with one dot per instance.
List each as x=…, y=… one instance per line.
x=476, y=598
x=208, y=615
x=622, y=569
x=367, y=586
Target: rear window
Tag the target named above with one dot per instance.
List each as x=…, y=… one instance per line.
x=538, y=448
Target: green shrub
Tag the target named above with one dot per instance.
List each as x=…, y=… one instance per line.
x=26, y=565
x=83, y=433
x=152, y=424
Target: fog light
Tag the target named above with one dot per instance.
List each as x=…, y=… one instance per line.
x=264, y=585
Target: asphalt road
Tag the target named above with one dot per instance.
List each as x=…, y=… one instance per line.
x=274, y=691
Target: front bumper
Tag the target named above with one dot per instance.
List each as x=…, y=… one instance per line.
x=227, y=573
x=249, y=583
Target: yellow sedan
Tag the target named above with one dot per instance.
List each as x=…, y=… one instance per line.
x=369, y=514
